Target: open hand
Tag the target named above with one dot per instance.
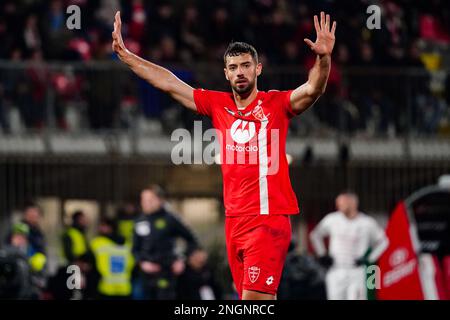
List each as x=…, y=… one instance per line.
x=117, y=45
x=325, y=37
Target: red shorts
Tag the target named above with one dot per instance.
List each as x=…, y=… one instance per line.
x=257, y=247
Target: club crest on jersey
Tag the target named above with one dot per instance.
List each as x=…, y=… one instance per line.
x=253, y=273
x=258, y=112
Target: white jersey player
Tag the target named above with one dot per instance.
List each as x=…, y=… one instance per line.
x=351, y=233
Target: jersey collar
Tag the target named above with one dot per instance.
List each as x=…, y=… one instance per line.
x=249, y=108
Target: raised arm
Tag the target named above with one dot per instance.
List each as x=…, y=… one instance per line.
x=307, y=94
x=157, y=76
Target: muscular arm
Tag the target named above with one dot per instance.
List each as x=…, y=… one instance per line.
x=157, y=76
x=307, y=94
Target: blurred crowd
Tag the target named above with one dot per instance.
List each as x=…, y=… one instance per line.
x=188, y=31
x=136, y=254
x=183, y=33
x=133, y=255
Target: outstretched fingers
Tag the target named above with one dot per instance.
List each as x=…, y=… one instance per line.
x=118, y=19
x=316, y=24
x=333, y=28
x=325, y=23
x=117, y=23
x=309, y=43
x=322, y=20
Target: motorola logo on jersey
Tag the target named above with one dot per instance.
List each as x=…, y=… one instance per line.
x=242, y=131
x=251, y=148
x=242, y=144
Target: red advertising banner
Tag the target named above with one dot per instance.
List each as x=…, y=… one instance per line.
x=446, y=272
x=399, y=266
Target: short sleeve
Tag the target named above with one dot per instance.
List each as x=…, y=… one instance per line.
x=287, y=104
x=202, y=99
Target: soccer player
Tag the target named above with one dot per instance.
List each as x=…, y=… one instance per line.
x=252, y=126
x=351, y=234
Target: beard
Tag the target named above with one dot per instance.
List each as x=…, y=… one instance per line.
x=242, y=90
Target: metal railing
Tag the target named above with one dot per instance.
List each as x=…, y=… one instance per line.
x=368, y=102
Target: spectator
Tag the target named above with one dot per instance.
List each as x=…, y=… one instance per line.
x=74, y=238
x=125, y=222
x=155, y=233
x=16, y=279
x=191, y=31
x=31, y=34
x=37, y=73
x=197, y=281
x=173, y=32
x=32, y=216
x=57, y=288
x=302, y=278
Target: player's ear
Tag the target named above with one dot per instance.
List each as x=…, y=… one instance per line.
x=225, y=72
x=258, y=68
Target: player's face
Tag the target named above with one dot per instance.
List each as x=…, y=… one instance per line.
x=242, y=72
x=346, y=203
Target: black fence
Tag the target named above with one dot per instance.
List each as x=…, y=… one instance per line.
x=380, y=184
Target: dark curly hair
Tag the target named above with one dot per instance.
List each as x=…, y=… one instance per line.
x=237, y=48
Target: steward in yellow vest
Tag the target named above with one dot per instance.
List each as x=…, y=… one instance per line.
x=113, y=262
x=125, y=222
x=74, y=239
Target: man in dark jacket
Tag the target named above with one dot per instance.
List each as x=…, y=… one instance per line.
x=155, y=234
x=31, y=217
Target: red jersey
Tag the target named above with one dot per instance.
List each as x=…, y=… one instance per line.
x=253, y=151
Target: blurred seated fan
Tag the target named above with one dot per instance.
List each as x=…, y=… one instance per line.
x=15, y=271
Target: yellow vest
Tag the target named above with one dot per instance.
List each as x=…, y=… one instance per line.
x=115, y=264
x=125, y=228
x=79, y=246
x=37, y=262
